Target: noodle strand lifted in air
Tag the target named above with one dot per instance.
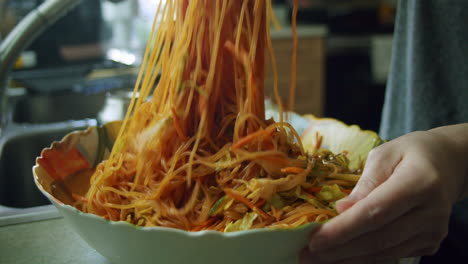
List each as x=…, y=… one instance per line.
x=195, y=151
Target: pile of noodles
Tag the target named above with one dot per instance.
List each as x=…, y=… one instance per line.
x=200, y=154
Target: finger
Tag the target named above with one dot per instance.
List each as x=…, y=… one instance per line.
x=387, y=202
x=380, y=164
x=387, y=237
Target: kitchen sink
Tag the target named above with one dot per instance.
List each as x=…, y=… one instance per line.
x=32, y=123
x=17, y=157
x=43, y=109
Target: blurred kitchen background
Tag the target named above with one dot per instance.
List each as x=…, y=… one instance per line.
x=345, y=48
x=79, y=72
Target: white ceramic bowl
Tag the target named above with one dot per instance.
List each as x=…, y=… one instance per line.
x=56, y=176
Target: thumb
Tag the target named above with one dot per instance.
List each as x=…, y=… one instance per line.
x=380, y=164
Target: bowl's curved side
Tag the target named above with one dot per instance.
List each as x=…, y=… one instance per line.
x=121, y=242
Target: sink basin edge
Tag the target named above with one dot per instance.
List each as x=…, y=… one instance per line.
x=13, y=216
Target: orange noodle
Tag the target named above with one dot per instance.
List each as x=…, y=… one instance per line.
x=195, y=150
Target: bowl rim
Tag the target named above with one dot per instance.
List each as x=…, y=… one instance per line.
x=313, y=118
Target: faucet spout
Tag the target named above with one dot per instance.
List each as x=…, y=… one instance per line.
x=24, y=34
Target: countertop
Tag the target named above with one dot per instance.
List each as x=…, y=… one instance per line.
x=54, y=242
x=45, y=242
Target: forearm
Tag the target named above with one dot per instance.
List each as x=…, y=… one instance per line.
x=458, y=136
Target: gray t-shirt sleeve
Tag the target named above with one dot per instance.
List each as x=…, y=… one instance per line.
x=428, y=81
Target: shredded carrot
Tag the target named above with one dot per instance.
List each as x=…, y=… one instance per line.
x=204, y=224
x=310, y=195
x=314, y=189
x=234, y=195
x=249, y=138
x=240, y=55
x=260, y=203
x=112, y=214
x=311, y=217
x=295, y=170
x=347, y=191
x=178, y=127
x=79, y=198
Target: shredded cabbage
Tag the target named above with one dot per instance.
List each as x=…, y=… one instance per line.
x=244, y=223
x=331, y=193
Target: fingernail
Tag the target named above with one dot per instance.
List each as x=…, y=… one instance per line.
x=344, y=200
x=351, y=197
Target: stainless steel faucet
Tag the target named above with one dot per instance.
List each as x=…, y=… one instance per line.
x=24, y=34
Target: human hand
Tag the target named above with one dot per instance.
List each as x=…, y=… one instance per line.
x=401, y=205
